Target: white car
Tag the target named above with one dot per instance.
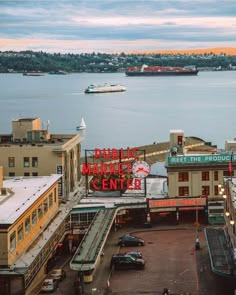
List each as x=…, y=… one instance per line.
x=49, y=285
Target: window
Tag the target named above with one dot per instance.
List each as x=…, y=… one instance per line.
x=216, y=190
x=26, y=162
x=27, y=225
x=12, y=174
x=40, y=211
x=183, y=176
x=11, y=162
x=26, y=174
x=205, y=190
x=45, y=206
x=183, y=191
x=13, y=241
x=20, y=232
x=50, y=200
x=216, y=176
x=55, y=195
x=228, y=173
x=205, y=176
x=34, y=173
x=34, y=162
x=34, y=218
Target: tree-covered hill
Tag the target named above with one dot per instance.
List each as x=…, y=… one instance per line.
x=26, y=61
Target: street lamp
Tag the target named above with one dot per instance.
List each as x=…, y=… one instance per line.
x=227, y=214
x=231, y=222
x=221, y=191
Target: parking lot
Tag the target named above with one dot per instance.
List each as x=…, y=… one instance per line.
x=171, y=261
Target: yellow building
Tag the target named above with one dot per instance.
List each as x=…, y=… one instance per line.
x=197, y=173
x=28, y=207
x=32, y=151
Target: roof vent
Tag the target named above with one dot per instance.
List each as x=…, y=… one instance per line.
x=3, y=191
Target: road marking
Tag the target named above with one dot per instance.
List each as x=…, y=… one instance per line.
x=196, y=273
x=183, y=272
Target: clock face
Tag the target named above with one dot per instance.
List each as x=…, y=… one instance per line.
x=140, y=169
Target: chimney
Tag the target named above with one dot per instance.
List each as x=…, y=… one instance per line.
x=1, y=177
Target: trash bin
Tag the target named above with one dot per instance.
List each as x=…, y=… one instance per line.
x=197, y=245
x=88, y=278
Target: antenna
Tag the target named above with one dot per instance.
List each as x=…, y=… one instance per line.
x=47, y=124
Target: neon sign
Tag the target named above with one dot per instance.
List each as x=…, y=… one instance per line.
x=177, y=202
x=112, y=169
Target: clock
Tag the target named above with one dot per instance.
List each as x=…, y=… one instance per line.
x=140, y=169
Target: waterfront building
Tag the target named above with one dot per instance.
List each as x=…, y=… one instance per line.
x=30, y=229
x=197, y=174
x=32, y=151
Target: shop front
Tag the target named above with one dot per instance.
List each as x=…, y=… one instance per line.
x=178, y=210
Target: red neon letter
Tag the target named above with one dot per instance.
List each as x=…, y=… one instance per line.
x=97, y=153
x=86, y=169
x=137, y=184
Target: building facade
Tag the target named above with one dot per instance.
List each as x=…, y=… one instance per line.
x=33, y=151
x=29, y=205
x=197, y=173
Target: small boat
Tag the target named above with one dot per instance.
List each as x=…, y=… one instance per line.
x=34, y=74
x=82, y=125
x=105, y=88
x=59, y=72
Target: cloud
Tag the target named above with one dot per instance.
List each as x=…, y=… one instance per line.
x=108, y=21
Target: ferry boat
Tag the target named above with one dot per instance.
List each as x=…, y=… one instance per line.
x=145, y=70
x=105, y=88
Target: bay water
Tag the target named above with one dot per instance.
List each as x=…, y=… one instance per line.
x=203, y=106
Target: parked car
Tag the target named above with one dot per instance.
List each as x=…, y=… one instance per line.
x=135, y=254
x=129, y=240
x=58, y=274
x=49, y=285
x=123, y=261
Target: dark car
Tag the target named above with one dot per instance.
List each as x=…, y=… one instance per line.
x=123, y=261
x=135, y=254
x=129, y=240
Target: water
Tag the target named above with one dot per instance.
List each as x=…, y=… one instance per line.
x=202, y=106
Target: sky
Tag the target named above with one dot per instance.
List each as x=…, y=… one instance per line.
x=113, y=26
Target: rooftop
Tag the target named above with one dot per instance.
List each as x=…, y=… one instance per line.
x=55, y=140
x=21, y=193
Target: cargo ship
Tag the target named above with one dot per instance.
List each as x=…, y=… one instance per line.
x=145, y=70
x=105, y=88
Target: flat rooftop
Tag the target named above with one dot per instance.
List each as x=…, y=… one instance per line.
x=55, y=140
x=21, y=193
